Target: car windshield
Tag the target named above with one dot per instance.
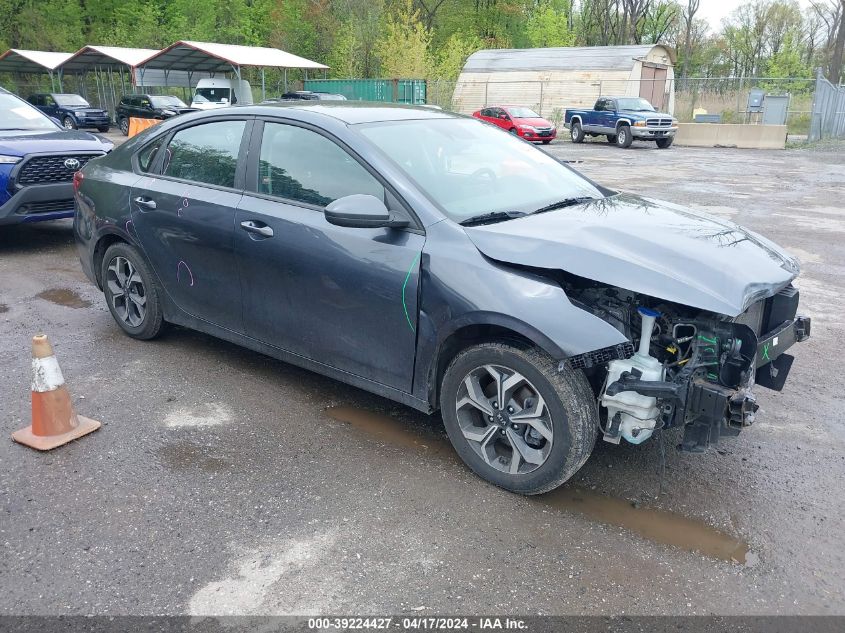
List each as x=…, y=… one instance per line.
x=70, y=100
x=167, y=101
x=213, y=95
x=635, y=104
x=468, y=167
x=19, y=115
x=523, y=113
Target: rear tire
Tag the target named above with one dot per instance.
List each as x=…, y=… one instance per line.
x=665, y=143
x=561, y=406
x=513, y=131
x=624, y=138
x=123, y=124
x=611, y=138
x=577, y=133
x=104, y=128
x=546, y=142
x=132, y=292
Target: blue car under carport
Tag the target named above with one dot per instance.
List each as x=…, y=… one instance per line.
x=71, y=111
x=38, y=159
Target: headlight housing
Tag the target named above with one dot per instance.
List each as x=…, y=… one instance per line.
x=9, y=160
x=639, y=123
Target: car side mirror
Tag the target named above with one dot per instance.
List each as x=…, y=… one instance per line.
x=362, y=211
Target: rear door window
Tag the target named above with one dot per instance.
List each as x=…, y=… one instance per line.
x=206, y=153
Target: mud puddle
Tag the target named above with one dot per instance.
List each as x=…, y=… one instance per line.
x=64, y=297
x=659, y=526
x=388, y=429
x=655, y=525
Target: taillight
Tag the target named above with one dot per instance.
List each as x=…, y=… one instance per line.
x=77, y=180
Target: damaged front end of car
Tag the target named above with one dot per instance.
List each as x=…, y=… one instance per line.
x=685, y=367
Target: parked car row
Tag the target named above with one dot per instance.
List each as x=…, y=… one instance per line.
x=621, y=119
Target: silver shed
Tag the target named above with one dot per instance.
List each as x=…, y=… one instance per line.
x=548, y=79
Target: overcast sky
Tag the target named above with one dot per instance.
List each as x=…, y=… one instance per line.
x=715, y=10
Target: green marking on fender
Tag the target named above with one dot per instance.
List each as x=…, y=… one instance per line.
x=405, y=285
x=766, y=352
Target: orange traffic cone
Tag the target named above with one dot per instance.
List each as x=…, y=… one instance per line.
x=54, y=421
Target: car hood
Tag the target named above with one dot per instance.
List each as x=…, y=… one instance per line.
x=20, y=143
x=649, y=247
x=535, y=122
x=85, y=109
x=646, y=114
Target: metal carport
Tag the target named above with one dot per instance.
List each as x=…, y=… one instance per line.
x=103, y=62
x=208, y=57
x=16, y=60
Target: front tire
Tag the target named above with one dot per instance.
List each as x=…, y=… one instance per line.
x=68, y=123
x=515, y=420
x=665, y=143
x=624, y=138
x=577, y=132
x=131, y=291
x=104, y=128
x=546, y=142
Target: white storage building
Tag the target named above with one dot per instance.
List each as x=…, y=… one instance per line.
x=547, y=79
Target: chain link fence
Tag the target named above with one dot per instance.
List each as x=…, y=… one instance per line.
x=828, y=115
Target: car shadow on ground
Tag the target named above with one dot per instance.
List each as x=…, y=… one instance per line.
x=19, y=238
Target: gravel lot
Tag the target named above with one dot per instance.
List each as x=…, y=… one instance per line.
x=223, y=481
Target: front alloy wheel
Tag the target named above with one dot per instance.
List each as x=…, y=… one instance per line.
x=505, y=419
x=515, y=418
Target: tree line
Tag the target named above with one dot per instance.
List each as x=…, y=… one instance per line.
x=432, y=38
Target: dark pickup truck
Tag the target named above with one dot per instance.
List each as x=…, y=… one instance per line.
x=622, y=119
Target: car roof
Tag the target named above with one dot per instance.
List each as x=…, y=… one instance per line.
x=353, y=112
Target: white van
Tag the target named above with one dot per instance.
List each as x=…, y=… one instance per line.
x=218, y=93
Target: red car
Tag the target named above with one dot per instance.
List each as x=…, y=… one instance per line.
x=520, y=121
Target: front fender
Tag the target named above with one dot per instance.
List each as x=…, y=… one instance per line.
x=460, y=287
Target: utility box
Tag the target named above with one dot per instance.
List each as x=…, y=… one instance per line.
x=755, y=100
x=775, y=109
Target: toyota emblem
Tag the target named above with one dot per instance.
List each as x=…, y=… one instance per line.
x=72, y=164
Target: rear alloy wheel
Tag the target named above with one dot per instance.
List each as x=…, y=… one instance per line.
x=123, y=124
x=624, y=138
x=68, y=123
x=515, y=419
x=577, y=132
x=131, y=292
x=665, y=143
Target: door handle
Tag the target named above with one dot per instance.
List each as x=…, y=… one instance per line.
x=251, y=226
x=141, y=201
